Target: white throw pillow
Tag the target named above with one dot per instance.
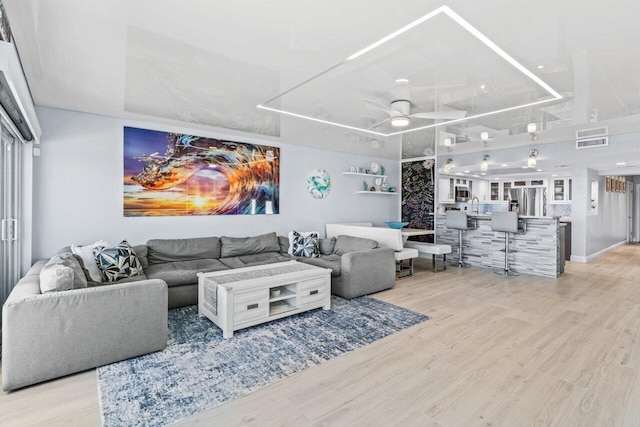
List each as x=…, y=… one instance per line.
x=303, y=234
x=86, y=253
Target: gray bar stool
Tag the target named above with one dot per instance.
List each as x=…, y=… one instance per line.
x=505, y=222
x=457, y=220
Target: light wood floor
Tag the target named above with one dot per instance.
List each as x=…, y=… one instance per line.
x=498, y=352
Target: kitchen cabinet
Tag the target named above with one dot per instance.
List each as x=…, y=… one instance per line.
x=481, y=190
x=560, y=190
x=495, y=191
x=446, y=190
x=506, y=186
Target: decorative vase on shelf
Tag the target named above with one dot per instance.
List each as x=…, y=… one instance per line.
x=385, y=185
x=365, y=186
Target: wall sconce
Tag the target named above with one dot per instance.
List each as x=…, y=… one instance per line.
x=484, y=137
x=531, y=162
x=531, y=128
x=484, y=165
x=447, y=166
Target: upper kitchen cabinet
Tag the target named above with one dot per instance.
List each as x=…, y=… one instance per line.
x=446, y=190
x=560, y=190
x=481, y=190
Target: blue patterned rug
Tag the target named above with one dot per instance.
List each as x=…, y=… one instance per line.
x=200, y=370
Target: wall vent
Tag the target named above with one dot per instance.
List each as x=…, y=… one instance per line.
x=590, y=138
x=592, y=142
x=592, y=133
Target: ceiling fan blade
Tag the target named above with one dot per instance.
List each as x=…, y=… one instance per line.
x=382, y=107
x=379, y=123
x=441, y=115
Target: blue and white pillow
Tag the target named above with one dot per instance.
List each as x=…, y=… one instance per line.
x=118, y=262
x=305, y=245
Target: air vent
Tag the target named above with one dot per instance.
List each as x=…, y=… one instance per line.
x=592, y=142
x=592, y=133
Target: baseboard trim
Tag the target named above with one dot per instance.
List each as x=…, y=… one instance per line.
x=586, y=259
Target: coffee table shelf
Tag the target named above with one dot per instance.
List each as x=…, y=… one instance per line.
x=281, y=306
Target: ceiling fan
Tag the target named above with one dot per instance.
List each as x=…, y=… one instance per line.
x=399, y=110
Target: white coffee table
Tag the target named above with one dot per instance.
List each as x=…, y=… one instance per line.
x=243, y=297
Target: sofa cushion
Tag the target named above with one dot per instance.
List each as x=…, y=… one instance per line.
x=62, y=273
x=238, y=246
x=169, y=250
x=346, y=244
x=142, y=252
x=118, y=262
x=329, y=261
x=137, y=278
x=183, y=272
x=255, y=259
x=327, y=246
x=284, y=244
x=305, y=245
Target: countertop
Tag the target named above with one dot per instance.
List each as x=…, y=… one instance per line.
x=487, y=216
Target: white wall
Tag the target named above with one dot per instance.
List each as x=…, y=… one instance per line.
x=594, y=234
x=78, y=186
x=636, y=210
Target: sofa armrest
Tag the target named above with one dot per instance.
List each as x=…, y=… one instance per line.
x=366, y=272
x=47, y=336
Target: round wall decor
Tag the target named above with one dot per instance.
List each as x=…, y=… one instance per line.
x=318, y=183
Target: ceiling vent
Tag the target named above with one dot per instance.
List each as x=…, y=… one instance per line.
x=590, y=138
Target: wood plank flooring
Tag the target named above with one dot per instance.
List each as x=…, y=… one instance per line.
x=517, y=351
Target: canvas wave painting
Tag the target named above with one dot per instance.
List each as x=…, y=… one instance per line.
x=173, y=174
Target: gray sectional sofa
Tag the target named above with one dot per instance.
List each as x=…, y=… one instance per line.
x=50, y=335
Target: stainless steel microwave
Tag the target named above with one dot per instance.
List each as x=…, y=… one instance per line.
x=462, y=194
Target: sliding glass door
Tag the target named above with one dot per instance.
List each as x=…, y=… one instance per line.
x=10, y=180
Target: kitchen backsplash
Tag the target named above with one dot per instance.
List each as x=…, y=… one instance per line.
x=483, y=208
x=556, y=210
x=560, y=210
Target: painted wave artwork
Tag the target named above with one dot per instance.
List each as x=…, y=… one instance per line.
x=173, y=174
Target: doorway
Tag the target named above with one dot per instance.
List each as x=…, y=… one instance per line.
x=10, y=187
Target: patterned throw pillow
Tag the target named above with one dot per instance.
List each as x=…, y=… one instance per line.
x=299, y=233
x=118, y=262
x=305, y=246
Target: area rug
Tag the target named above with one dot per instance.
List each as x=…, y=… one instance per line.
x=200, y=370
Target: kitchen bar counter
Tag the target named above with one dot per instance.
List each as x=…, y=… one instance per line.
x=536, y=252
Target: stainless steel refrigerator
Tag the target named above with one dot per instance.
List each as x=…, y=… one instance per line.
x=532, y=201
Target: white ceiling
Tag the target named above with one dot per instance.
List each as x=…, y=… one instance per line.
x=208, y=64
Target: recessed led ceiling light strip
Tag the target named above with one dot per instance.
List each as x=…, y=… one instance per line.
x=460, y=21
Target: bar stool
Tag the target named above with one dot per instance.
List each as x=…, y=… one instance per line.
x=505, y=222
x=457, y=220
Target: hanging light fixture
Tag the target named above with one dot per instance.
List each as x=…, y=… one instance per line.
x=484, y=165
x=447, y=166
x=531, y=129
x=484, y=137
x=532, y=158
x=448, y=142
